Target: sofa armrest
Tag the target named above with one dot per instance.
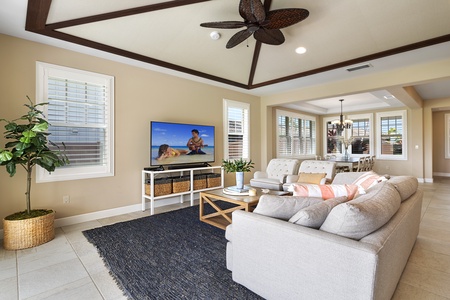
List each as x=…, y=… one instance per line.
x=260, y=174
x=280, y=260
x=291, y=178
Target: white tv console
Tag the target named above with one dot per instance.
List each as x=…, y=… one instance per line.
x=148, y=177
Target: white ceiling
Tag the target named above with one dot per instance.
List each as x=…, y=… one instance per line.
x=335, y=34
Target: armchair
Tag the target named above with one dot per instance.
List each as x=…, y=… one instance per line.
x=276, y=172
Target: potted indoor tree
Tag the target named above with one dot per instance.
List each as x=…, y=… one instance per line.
x=27, y=146
x=238, y=166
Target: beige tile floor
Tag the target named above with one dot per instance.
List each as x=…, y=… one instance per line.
x=69, y=267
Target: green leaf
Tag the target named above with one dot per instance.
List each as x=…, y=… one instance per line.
x=21, y=146
x=5, y=156
x=40, y=127
x=11, y=126
x=11, y=168
x=27, y=136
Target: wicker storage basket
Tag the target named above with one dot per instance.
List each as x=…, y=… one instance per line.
x=22, y=234
x=181, y=184
x=163, y=186
x=213, y=180
x=199, y=182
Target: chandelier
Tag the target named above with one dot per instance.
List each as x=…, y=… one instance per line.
x=341, y=124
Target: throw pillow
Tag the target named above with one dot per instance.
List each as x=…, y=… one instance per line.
x=314, y=178
x=368, y=180
x=314, y=215
x=364, y=215
x=326, y=191
x=282, y=207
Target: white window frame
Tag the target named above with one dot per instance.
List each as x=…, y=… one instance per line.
x=403, y=114
x=43, y=72
x=246, y=127
x=280, y=113
x=371, y=139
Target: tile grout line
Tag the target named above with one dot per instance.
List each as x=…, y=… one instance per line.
x=81, y=261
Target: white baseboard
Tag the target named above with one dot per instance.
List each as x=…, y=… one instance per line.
x=421, y=180
x=428, y=180
x=112, y=212
x=108, y=213
x=441, y=174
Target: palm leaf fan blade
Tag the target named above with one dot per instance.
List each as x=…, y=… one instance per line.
x=252, y=10
x=238, y=38
x=282, y=18
x=269, y=36
x=224, y=24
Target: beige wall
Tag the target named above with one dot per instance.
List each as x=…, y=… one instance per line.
x=140, y=96
x=441, y=165
x=429, y=142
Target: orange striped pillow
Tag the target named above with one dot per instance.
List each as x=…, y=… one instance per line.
x=368, y=180
x=326, y=191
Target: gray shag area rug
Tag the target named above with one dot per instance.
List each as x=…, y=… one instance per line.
x=168, y=256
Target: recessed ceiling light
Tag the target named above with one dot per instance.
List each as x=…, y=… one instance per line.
x=215, y=35
x=300, y=50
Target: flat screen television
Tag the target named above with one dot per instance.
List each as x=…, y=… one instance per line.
x=179, y=144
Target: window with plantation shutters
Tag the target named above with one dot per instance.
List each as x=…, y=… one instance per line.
x=236, y=127
x=391, y=135
x=79, y=111
x=296, y=134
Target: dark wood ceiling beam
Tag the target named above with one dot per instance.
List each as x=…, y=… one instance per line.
x=122, y=13
x=255, y=58
x=394, y=51
x=37, y=13
x=251, y=77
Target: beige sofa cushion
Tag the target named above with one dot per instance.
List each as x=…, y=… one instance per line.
x=405, y=185
x=314, y=215
x=365, y=214
x=283, y=207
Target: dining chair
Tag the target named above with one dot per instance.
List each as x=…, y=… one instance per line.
x=372, y=161
x=361, y=165
x=367, y=163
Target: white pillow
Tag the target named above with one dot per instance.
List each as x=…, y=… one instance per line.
x=314, y=215
x=282, y=207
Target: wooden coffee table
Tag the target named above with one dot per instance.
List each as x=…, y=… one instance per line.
x=221, y=218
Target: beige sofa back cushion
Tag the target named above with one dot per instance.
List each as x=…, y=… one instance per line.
x=405, y=185
x=365, y=214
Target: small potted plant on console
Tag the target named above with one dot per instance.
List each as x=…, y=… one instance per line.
x=238, y=166
x=28, y=145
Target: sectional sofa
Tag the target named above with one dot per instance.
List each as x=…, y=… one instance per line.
x=358, y=252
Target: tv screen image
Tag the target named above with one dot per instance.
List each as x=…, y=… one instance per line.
x=180, y=144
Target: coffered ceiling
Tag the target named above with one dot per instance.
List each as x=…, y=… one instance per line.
x=166, y=36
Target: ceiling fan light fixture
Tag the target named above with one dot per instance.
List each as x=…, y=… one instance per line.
x=300, y=50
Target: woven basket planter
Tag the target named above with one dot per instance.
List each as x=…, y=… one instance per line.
x=22, y=234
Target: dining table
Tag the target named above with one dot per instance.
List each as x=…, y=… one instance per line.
x=342, y=162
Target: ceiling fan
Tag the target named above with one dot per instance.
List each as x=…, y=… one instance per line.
x=265, y=26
